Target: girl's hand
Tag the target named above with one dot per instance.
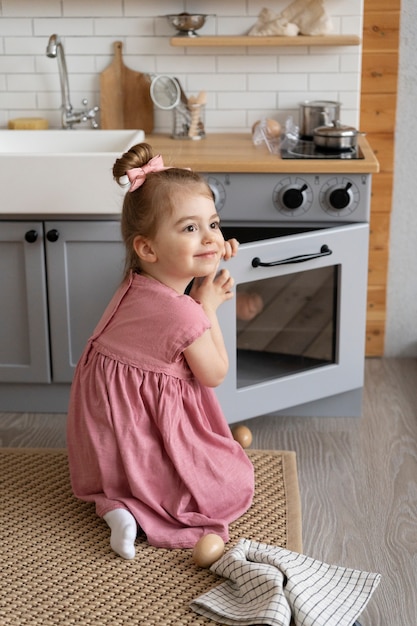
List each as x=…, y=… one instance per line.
x=230, y=249
x=212, y=290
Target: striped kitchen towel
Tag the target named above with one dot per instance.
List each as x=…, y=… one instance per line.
x=269, y=585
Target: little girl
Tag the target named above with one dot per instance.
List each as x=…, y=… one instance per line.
x=147, y=440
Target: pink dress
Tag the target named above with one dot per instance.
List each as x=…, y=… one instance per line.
x=143, y=434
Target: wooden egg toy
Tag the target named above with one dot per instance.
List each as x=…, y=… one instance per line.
x=242, y=435
x=272, y=128
x=207, y=550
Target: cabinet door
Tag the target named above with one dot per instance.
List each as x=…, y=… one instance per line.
x=84, y=265
x=24, y=343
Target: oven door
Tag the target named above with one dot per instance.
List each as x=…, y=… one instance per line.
x=295, y=331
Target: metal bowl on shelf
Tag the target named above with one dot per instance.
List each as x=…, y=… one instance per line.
x=187, y=23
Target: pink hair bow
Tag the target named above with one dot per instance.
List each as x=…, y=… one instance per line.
x=137, y=175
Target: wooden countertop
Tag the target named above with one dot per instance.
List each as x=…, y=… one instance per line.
x=235, y=152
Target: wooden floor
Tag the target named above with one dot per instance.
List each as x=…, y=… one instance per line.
x=358, y=481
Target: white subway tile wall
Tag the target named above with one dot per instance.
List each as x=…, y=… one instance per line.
x=243, y=84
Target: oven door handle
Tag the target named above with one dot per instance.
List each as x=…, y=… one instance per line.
x=301, y=258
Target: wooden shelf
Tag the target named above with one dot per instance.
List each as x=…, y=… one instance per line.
x=247, y=40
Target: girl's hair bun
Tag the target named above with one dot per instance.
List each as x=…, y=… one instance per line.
x=136, y=156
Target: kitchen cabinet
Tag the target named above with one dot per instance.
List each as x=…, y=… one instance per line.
x=57, y=278
x=24, y=352
x=55, y=286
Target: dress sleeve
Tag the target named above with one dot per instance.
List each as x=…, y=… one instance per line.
x=194, y=322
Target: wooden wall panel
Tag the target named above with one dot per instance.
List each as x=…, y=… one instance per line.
x=378, y=112
x=382, y=193
x=377, y=264
x=383, y=146
x=379, y=72
x=374, y=345
x=380, y=224
x=382, y=5
x=376, y=300
x=380, y=29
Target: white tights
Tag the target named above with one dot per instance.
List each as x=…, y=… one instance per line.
x=123, y=532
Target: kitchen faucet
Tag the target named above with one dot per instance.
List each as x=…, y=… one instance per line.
x=70, y=116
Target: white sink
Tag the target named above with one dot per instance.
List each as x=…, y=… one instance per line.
x=61, y=172
x=67, y=141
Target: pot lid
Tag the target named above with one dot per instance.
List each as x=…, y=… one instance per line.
x=320, y=103
x=336, y=130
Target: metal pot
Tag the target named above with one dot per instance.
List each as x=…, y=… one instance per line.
x=314, y=113
x=336, y=137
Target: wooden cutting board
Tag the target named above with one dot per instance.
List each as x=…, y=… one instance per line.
x=125, y=100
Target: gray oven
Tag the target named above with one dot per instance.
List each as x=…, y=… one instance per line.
x=295, y=331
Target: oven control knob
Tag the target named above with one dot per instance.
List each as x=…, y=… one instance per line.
x=341, y=197
x=218, y=191
x=292, y=197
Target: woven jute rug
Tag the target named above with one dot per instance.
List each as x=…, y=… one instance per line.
x=57, y=566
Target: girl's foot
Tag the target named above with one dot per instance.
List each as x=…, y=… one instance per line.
x=123, y=532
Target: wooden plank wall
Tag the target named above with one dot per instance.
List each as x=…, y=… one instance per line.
x=378, y=109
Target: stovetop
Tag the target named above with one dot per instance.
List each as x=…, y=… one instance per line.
x=305, y=149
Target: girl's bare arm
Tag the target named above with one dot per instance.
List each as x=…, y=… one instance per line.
x=207, y=356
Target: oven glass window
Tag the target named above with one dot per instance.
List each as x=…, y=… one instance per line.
x=286, y=324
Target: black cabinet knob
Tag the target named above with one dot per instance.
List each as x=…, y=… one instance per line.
x=52, y=235
x=31, y=236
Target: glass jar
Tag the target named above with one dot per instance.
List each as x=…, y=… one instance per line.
x=188, y=121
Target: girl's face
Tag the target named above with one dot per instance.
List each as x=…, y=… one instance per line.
x=188, y=244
